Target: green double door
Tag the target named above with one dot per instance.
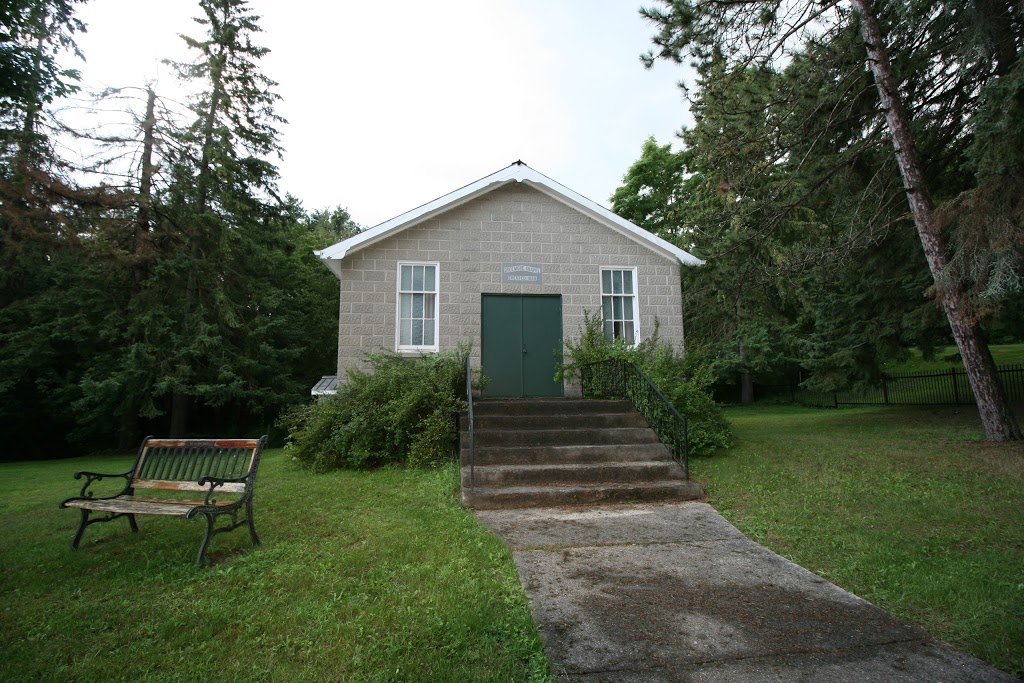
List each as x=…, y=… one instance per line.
x=521, y=344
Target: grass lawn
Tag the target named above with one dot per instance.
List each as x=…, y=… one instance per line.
x=365, y=576
x=906, y=507
x=948, y=357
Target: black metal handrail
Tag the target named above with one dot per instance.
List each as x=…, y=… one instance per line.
x=618, y=378
x=472, y=444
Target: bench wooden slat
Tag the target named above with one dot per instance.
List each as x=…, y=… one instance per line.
x=197, y=443
x=184, y=486
x=133, y=505
x=151, y=499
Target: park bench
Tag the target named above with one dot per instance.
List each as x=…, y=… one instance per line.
x=222, y=470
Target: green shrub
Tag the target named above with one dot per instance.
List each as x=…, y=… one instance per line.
x=687, y=383
x=685, y=380
x=403, y=411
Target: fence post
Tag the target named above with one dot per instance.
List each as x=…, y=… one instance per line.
x=956, y=391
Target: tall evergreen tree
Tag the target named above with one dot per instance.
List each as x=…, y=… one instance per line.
x=40, y=218
x=179, y=287
x=219, y=212
x=918, y=88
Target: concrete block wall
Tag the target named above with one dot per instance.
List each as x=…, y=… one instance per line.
x=514, y=223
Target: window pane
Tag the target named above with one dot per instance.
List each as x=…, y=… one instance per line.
x=618, y=330
x=616, y=282
x=417, y=305
x=617, y=307
x=627, y=308
x=609, y=330
x=627, y=281
x=606, y=282
x=627, y=332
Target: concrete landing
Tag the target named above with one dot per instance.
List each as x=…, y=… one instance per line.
x=674, y=592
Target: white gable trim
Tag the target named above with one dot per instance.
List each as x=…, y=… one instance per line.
x=517, y=172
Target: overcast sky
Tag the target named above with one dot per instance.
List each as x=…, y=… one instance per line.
x=390, y=105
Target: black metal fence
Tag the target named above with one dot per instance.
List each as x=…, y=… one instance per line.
x=616, y=378
x=940, y=387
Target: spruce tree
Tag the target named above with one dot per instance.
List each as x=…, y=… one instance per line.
x=923, y=101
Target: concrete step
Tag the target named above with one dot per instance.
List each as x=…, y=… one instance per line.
x=564, y=437
x=483, y=498
x=589, y=473
x=541, y=455
x=555, y=421
x=543, y=452
x=550, y=406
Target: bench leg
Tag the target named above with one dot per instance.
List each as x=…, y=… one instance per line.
x=252, y=527
x=109, y=517
x=201, y=557
x=81, y=529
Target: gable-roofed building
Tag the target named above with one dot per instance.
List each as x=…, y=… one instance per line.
x=508, y=265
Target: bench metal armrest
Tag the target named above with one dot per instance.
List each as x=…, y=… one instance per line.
x=93, y=477
x=214, y=482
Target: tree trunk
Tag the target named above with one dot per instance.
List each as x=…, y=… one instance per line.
x=746, y=378
x=179, y=415
x=996, y=414
x=145, y=214
x=746, y=388
x=127, y=436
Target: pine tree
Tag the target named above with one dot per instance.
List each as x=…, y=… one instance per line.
x=219, y=210
x=916, y=90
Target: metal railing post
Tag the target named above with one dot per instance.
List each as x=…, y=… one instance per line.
x=472, y=436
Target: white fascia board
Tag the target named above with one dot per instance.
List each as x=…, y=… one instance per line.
x=333, y=263
x=517, y=172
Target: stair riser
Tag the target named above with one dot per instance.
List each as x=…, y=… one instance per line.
x=565, y=437
x=531, y=422
x=535, y=453
x=495, y=499
x=561, y=406
x=618, y=474
x=543, y=455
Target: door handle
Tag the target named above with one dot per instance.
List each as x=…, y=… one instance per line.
x=524, y=349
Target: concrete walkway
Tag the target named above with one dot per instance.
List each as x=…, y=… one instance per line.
x=674, y=592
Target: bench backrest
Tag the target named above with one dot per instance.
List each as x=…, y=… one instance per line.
x=178, y=464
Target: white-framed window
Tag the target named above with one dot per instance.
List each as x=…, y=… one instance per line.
x=416, y=325
x=619, y=308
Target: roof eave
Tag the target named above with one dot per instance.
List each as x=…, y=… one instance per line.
x=517, y=172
